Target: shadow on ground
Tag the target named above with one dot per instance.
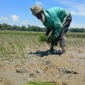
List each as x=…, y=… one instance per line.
x=46, y=53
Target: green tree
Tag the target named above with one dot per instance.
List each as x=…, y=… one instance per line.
x=23, y=28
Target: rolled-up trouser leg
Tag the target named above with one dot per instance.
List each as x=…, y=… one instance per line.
x=52, y=46
x=53, y=43
x=62, y=41
x=63, y=33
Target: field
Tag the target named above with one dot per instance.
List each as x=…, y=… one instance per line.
x=22, y=59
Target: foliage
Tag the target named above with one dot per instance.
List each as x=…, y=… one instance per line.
x=42, y=38
x=76, y=34
x=77, y=30
x=5, y=26
x=40, y=83
x=19, y=43
x=14, y=43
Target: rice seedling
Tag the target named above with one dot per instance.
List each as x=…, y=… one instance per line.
x=40, y=83
x=18, y=43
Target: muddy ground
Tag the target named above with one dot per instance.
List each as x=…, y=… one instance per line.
x=42, y=66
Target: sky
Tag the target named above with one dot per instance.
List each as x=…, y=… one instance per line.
x=17, y=12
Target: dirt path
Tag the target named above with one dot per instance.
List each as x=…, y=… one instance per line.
x=69, y=68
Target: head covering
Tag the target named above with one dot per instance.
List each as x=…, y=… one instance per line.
x=36, y=9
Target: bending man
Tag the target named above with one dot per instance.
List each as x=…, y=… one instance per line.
x=56, y=20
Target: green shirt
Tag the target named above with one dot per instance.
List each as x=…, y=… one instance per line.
x=55, y=18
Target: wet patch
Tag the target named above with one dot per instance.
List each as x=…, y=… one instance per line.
x=46, y=53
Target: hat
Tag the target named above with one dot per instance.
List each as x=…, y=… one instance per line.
x=36, y=9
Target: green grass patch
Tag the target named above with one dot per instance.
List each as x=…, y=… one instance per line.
x=19, y=43
x=42, y=38
x=75, y=34
x=40, y=83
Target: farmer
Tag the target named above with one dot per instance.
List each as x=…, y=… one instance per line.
x=57, y=21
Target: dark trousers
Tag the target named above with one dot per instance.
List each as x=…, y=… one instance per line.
x=61, y=37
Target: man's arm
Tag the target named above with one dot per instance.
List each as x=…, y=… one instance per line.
x=47, y=32
x=56, y=33
x=57, y=28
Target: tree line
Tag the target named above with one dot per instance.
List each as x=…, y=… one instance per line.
x=77, y=30
x=5, y=26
